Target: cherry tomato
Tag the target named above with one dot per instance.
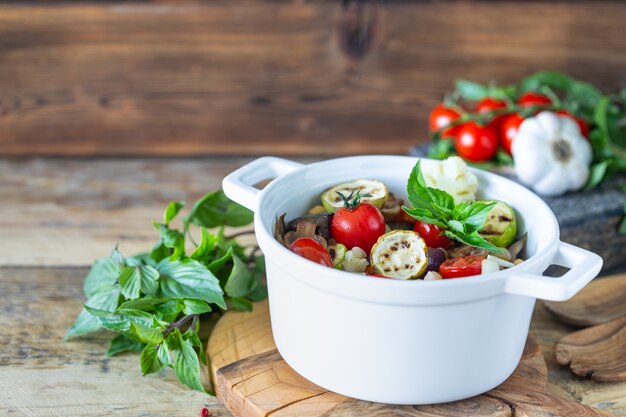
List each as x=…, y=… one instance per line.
x=489, y=104
x=312, y=250
x=508, y=130
x=476, y=143
x=442, y=116
x=361, y=226
x=533, y=99
x=432, y=235
x=584, y=128
x=464, y=266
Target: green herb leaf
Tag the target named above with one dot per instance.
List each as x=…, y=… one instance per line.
x=473, y=239
x=459, y=221
x=172, y=210
x=102, y=275
x=206, y=247
x=147, y=334
x=241, y=304
x=163, y=352
x=470, y=90
x=240, y=282
x=195, y=306
x=188, y=278
x=473, y=214
x=120, y=344
x=149, y=360
x=106, y=300
x=173, y=239
x=134, y=279
x=215, y=209
x=597, y=173
x=186, y=364
x=121, y=320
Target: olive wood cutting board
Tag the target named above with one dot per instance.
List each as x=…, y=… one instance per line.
x=252, y=380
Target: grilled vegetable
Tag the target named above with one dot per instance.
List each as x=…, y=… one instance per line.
x=399, y=254
x=337, y=253
x=372, y=192
x=500, y=227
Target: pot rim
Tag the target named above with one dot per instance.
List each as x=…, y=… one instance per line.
x=410, y=292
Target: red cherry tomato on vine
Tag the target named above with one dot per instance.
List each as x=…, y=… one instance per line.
x=508, y=130
x=312, y=250
x=442, y=116
x=476, y=143
x=432, y=235
x=360, y=226
x=584, y=128
x=488, y=105
x=461, y=267
x=533, y=99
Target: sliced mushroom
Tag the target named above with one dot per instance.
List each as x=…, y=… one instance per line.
x=517, y=246
x=280, y=229
x=321, y=220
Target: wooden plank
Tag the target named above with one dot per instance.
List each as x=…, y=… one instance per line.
x=252, y=380
x=240, y=77
x=41, y=375
x=60, y=212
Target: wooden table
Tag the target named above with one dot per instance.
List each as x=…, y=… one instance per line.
x=56, y=216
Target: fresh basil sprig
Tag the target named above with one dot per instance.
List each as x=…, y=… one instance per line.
x=460, y=222
x=154, y=301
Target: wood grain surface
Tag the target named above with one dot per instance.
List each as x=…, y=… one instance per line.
x=63, y=213
x=253, y=380
x=599, y=302
x=597, y=352
x=241, y=77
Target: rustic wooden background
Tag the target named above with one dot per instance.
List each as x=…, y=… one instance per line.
x=238, y=77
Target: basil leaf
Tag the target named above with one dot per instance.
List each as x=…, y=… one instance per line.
x=159, y=252
x=172, y=210
x=163, y=352
x=241, y=304
x=195, y=307
x=120, y=321
x=206, y=246
x=240, y=280
x=144, y=303
x=597, y=173
x=117, y=257
x=188, y=278
x=470, y=90
x=173, y=239
x=106, y=300
x=169, y=310
x=102, y=275
x=147, y=334
x=456, y=226
x=215, y=209
x=441, y=149
x=121, y=343
x=424, y=216
x=474, y=214
x=473, y=239
x=149, y=360
x=195, y=341
x=136, y=278
x=186, y=365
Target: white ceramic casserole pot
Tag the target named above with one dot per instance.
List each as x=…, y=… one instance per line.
x=393, y=341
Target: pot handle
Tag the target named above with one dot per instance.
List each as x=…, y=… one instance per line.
x=239, y=185
x=584, y=266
